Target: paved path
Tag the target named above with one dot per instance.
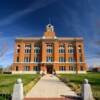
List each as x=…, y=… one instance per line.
x=49, y=99
x=50, y=86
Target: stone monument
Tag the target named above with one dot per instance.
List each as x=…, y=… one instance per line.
x=18, y=90
x=86, y=91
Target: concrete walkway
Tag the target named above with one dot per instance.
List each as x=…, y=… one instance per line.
x=50, y=86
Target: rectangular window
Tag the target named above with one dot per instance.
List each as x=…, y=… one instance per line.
x=18, y=51
x=80, y=59
x=61, y=59
x=73, y=68
x=17, y=60
x=17, y=68
x=49, y=59
x=26, y=59
x=80, y=50
x=36, y=50
x=49, y=50
x=36, y=68
x=71, y=59
x=61, y=50
x=62, y=68
x=26, y=68
x=36, y=59
x=27, y=51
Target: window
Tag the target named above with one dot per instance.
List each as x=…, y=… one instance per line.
x=26, y=68
x=71, y=59
x=18, y=46
x=26, y=59
x=27, y=51
x=36, y=59
x=18, y=51
x=80, y=59
x=17, y=68
x=61, y=59
x=17, y=60
x=49, y=49
x=49, y=59
x=79, y=49
x=61, y=49
x=28, y=48
x=71, y=49
x=72, y=68
x=36, y=49
x=36, y=68
x=62, y=68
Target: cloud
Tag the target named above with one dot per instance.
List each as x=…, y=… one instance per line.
x=32, y=8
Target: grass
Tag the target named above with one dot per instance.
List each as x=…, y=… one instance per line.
x=7, y=82
x=75, y=81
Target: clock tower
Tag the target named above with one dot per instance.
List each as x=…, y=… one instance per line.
x=49, y=33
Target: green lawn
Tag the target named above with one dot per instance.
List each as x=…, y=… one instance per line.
x=75, y=81
x=7, y=82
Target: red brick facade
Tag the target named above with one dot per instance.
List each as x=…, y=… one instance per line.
x=49, y=53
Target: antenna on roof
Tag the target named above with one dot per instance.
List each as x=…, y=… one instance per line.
x=49, y=20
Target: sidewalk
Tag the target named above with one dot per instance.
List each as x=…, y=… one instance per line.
x=50, y=86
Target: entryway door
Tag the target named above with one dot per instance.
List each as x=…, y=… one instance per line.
x=49, y=69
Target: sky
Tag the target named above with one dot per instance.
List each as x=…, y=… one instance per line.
x=71, y=18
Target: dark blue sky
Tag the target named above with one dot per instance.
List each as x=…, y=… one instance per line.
x=71, y=18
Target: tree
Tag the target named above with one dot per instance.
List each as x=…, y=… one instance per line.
x=1, y=69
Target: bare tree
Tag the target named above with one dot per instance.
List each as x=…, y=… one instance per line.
x=4, y=48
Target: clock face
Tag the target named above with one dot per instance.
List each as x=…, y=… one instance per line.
x=49, y=25
x=50, y=28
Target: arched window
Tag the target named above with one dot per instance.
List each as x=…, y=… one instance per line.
x=49, y=49
x=36, y=49
x=61, y=49
x=79, y=49
x=27, y=48
x=71, y=49
x=18, y=49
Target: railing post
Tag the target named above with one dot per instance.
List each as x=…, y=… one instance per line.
x=18, y=93
x=86, y=91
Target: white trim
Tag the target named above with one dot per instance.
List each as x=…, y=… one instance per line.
x=51, y=62
x=58, y=72
x=71, y=72
x=24, y=72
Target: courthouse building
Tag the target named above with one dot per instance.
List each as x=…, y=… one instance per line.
x=48, y=54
